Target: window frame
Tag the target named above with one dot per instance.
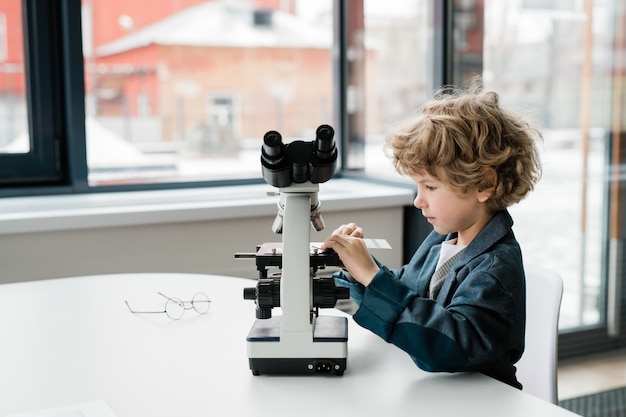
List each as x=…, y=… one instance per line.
x=57, y=161
x=43, y=164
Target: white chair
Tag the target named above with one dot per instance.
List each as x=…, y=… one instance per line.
x=537, y=368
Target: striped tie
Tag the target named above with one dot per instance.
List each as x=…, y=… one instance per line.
x=436, y=282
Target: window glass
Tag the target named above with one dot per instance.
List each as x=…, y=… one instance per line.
x=14, y=136
x=184, y=90
x=397, y=73
x=555, y=62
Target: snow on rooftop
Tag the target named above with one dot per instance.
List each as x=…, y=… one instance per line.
x=222, y=23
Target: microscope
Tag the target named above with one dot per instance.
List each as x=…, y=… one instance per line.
x=299, y=341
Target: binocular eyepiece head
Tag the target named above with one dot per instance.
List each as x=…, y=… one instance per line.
x=299, y=161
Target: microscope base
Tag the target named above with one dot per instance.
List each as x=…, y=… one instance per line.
x=297, y=366
x=325, y=354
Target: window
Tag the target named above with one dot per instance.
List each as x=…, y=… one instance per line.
x=397, y=73
x=186, y=90
x=561, y=64
x=14, y=136
x=13, y=116
x=181, y=93
x=35, y=97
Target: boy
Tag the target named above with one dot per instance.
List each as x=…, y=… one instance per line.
x=470, y=160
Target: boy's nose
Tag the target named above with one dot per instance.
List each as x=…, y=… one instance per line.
x=419, y=202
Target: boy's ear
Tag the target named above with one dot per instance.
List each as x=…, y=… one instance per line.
x=488, y=185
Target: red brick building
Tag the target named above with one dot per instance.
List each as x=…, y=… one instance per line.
x=192, y=70
x=220, y=70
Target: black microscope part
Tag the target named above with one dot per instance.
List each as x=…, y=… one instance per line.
x=299, y=161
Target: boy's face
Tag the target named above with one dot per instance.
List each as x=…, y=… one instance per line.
x=449, y=211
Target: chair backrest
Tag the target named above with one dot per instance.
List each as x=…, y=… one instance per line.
x=537, y=368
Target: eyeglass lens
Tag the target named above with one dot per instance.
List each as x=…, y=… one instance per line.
x=175, y=307
x=201, y=303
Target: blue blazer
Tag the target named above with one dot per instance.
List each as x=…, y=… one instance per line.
x=477, y=321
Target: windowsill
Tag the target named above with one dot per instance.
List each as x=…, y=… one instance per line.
x=84, y=211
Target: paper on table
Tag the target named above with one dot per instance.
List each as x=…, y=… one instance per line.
x=89, y=409
x=377, y=244
x=370, y=243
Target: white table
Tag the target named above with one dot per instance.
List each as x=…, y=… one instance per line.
x=71, y=341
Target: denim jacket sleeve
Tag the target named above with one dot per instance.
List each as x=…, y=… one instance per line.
x=477, y=321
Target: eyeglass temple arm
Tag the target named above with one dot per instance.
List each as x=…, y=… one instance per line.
x=141, y=312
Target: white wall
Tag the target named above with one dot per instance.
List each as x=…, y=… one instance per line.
x=197, y=247
x=67, y=244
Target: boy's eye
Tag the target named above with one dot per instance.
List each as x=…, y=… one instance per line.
x=430, y=188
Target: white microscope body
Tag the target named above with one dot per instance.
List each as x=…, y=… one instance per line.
x=299, y=341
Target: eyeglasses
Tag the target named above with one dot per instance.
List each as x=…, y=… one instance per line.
x=175, y=307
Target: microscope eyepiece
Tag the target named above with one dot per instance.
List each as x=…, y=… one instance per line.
x=273, y=144
x=276, y=170
x=324, y=132
x=324, y=158
x=324, y=143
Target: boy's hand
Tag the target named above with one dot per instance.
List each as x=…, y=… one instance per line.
x=349, y=229
x=353, y=253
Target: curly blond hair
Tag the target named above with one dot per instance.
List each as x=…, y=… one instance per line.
x=465, y=133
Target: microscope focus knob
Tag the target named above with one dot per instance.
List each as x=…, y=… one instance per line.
x=267, y=296
x=326, y=293
x=249, y=293
x=268, y=293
